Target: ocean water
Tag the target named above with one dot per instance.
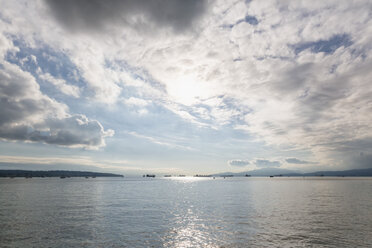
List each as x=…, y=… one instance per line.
x=186, y=212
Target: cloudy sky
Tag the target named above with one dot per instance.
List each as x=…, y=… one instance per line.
x=174, y=86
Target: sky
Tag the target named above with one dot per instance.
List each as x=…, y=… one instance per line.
x=185, y=87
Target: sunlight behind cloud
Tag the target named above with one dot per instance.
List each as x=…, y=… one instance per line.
x=232, y=80
x=187, y=90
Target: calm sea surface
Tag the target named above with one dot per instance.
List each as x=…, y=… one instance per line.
x=186, y=212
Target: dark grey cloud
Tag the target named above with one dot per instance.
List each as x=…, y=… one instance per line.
x=20, y=96
x=363, y=160
x=267, y=163
x=83, y=15
x=28, y=115
x=238, y=162
x=297, y=161
x=356, y=153
x=76, y=130
x=71, y=131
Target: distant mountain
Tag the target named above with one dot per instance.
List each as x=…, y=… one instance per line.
x=285, y=172
x=59, y=173
x=345, y=173
x=262, y=172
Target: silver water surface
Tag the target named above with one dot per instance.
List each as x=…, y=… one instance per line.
x=186, y=212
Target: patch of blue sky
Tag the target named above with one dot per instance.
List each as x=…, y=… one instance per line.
x=54, y=62
x=127, y=118
x=326, y=46
x=359, y=52
x=135, y=72
x=173, y=143
x=229, y=26
x=240, y=111
x=249, y=19
x=128, y=91
x=261, y=58
x=252, y=20
x=49, y=61
x=162, y=122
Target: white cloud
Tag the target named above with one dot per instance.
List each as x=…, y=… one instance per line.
x=238, y=162
x=28, y=115
x=61, y=84
x=159, y=141
x=312, y=99
x=134, y=101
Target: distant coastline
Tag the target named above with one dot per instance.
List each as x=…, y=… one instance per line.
x=271, y=172
x=276, y=172
x=54, y=173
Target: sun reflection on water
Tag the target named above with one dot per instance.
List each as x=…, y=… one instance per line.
x=189, y=179
x=189, y=231
x=189, y=228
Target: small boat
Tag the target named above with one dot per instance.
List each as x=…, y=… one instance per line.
x=150, y=175
x=62, y=177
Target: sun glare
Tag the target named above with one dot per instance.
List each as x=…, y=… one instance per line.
x=187, y=90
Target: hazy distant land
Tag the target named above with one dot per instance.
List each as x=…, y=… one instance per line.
x=254, y=173
x=289, y=173
x=55, y=173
